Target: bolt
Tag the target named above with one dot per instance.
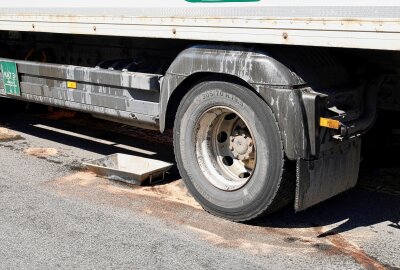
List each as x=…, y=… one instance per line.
x=285, y=35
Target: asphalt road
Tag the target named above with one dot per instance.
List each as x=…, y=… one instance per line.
x=54, y=214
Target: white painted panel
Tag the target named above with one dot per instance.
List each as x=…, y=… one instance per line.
x=349, y=24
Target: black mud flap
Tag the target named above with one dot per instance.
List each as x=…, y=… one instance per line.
x=334, y=172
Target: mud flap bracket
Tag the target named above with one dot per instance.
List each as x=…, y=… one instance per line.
x=334, y=172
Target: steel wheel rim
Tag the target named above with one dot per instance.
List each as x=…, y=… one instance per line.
x=225, y=148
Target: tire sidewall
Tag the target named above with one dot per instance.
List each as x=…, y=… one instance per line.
x=260, y=190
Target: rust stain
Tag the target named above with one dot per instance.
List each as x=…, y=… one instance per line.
x=253, y=247
x=7, y=135
x=41, y=152
x=351, y=250
x=172, y=204
x=173, y=192
x=80, y=178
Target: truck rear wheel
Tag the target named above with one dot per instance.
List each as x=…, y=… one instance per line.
x=229, y=151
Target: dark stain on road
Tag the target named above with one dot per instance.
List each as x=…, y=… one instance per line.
x=346, y=248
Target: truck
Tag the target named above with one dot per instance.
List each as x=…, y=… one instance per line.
x=268, y=100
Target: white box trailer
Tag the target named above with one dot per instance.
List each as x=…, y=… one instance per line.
x=268, y=99
x=350, y=24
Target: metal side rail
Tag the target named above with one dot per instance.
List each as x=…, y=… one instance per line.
x=127, y=97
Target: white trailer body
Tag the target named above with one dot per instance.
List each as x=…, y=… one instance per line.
x=349, y=24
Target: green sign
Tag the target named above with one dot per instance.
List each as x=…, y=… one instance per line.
x=220, y=1
x=10, y=78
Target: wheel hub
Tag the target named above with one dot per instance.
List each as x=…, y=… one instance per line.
x=241, y=145
x=226, y=149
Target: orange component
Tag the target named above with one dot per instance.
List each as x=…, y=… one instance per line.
x=329, y=123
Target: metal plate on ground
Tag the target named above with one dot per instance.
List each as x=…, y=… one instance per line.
x=128, y=168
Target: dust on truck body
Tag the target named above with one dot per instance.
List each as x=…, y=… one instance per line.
x=268, y=101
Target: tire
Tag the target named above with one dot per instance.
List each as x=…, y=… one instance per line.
x=205, y=164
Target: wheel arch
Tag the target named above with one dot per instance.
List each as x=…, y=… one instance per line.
x=255, y=69
x=247, y=66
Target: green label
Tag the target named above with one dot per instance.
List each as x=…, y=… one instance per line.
x=10, y=78
x=220, y=1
